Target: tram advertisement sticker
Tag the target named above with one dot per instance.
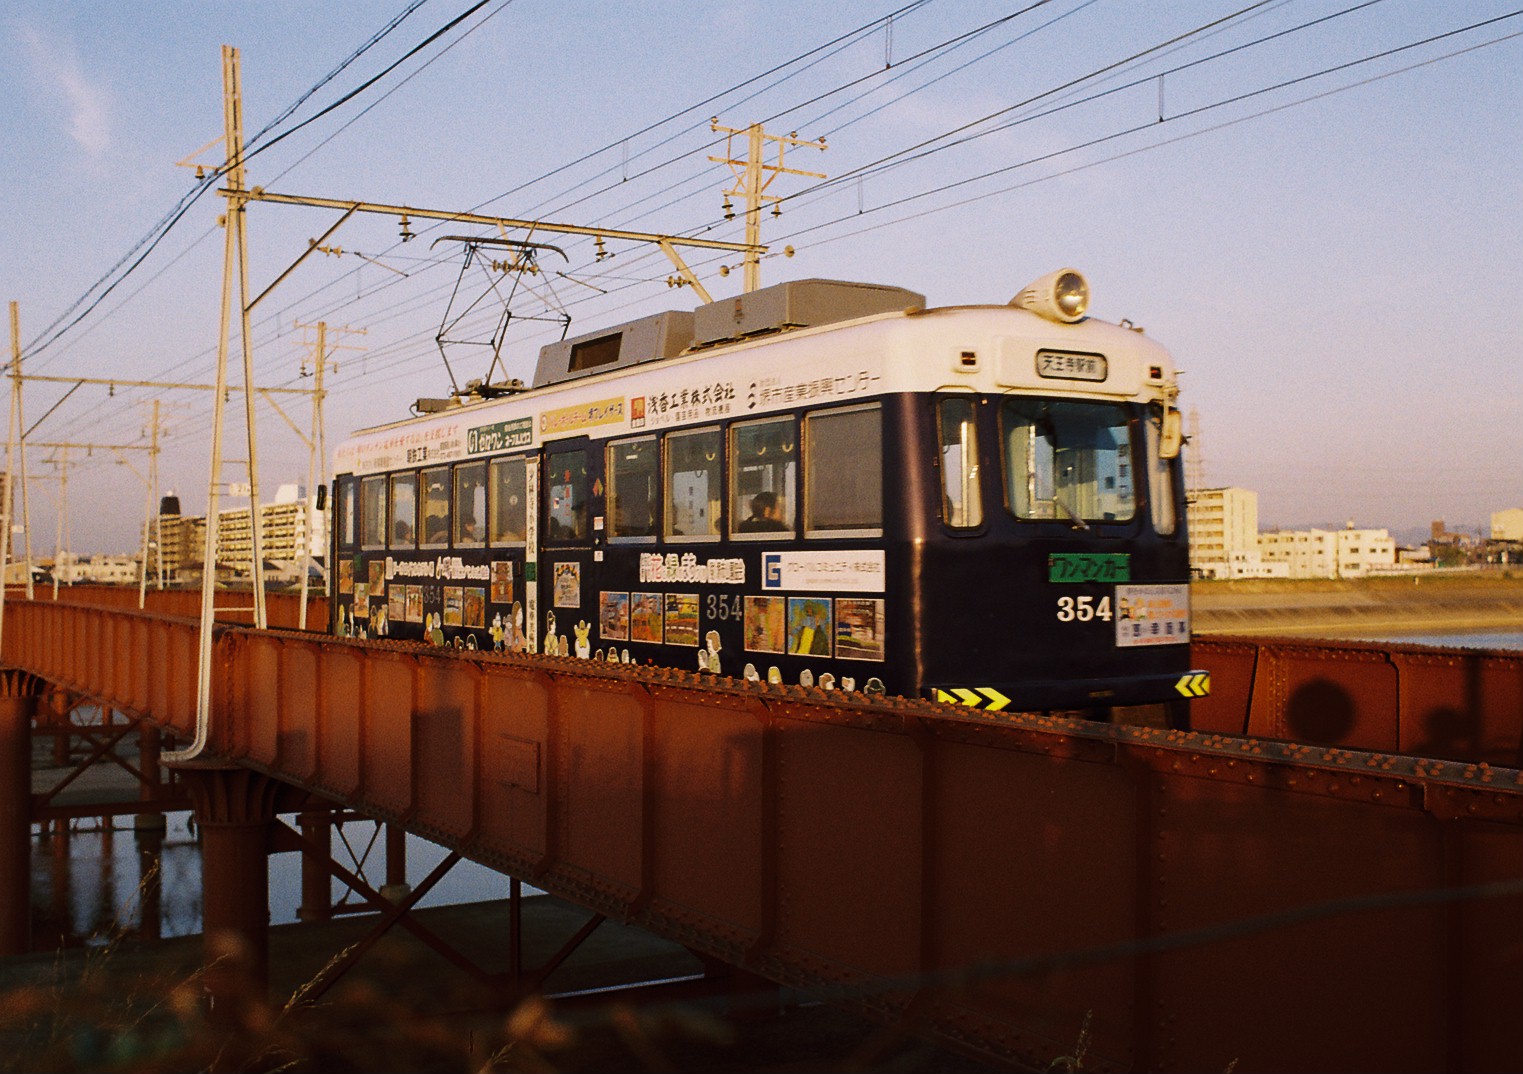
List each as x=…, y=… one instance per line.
x=499, y=436
x=845, y=571
x=859, y=628
x=809, y=626
x=645, y=617
x=1152, y=615
x=568, y=584
x=681, y=618
x=765, y=628
x=613, y=617
x=502, y=581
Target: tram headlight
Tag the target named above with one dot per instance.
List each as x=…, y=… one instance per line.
x=1061, y=296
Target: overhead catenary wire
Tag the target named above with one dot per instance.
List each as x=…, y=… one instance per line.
x=402, y=358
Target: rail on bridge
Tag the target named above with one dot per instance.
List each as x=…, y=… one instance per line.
x=1198, y=900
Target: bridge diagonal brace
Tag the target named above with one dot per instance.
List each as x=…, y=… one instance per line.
x=537, y=979
x=102, y=749
x=286, y=838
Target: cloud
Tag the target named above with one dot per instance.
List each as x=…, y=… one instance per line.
x=59, y=76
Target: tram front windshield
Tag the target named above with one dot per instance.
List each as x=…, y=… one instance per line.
x=1067, y=460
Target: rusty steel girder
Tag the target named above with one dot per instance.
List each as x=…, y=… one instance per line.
x=1456, y=704
x=1199, y=901
x=282, y=609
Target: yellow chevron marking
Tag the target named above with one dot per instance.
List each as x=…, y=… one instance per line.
x=946, y=698
x=1194, y=685
x=968, y=697
x=997, y=700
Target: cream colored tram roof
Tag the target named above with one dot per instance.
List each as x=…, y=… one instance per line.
x=914, y=351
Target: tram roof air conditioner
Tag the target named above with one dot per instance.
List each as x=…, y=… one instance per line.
x=1061, y=296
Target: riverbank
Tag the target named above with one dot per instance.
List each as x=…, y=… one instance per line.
x=1360, y=608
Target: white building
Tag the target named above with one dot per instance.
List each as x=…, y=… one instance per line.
x=181, y=540
x=1345, y=553
x=69, y=568
x=1224, y=535
x=1507, y=525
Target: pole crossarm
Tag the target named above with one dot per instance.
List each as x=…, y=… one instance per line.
x=174, y=385
x=102, y=447
x=260, y=194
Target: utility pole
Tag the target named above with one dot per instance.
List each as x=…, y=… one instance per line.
x=63, y=519
x=151, y=518
x=18, y=426
x=752, y=178
x=316, y=455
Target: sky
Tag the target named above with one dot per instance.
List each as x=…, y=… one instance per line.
x=1314, y=205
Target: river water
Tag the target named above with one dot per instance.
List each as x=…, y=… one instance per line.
x=1479, y=639
x=101, y=878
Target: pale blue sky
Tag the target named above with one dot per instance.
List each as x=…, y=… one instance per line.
x=1337, y=273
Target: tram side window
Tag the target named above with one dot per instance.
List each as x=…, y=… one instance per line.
x=843, y=486
x=1160, y=476
x=404, y=511
x=508, y=496
x=763, y=476
x=962, y=502
x=1067, y=460
x=633, y=468
x=693, y=483
x=348, y=515
x=436, y=507
x=566, y=496
x=470, y=504
x=373, y=512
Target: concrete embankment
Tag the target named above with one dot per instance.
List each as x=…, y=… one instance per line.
x=1360, y=608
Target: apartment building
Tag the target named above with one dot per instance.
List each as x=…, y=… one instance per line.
x=1314, y=553
x=180, y=540
x=1224, y=534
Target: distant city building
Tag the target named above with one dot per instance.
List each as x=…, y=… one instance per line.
x=1506, y=544
x=1345, y=553
x=180, y=540
x=1224, y=535
x=1507, y=525
x=71, y=569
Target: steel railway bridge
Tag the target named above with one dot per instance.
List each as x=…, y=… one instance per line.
x=1327, y=873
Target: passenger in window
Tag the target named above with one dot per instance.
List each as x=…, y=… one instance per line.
x=401, y=532
x=438, y=530
x=763, y=515
x=468, y=529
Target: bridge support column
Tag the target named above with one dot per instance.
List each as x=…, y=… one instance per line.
x=235, y=811
x=151, y=789
x=316, y=883
x=18, y=705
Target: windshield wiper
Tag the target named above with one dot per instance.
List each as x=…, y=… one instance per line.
x=1073, y=516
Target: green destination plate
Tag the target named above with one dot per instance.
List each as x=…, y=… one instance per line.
x=1089, y=567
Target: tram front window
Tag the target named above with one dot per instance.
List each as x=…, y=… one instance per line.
x=1067, y=460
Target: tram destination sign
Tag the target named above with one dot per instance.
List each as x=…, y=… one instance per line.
x=499, y=436
x=1089, y=567
x=1066, y=365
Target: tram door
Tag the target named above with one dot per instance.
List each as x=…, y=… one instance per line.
x=569, y=515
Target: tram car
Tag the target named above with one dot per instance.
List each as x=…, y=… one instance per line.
x=820, y=482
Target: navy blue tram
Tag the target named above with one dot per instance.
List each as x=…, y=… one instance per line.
x=819, y=482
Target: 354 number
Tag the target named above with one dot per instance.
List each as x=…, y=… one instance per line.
x=1083, y=609
x=724, y=607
